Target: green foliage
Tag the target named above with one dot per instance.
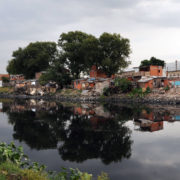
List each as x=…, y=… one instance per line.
x=107, y=91
x=137, y=92
x=76, y=48
x=9, y=152
x=33, y=58
x=6, y=90
x=109, y=52
x=103, y=176
x=12, y=158
x=113, y=53
x=123, y=84
x=167, y=88
x=9, y=170
x=152, y=61
x=57, y=73
x=148, y=90
x=5, y=79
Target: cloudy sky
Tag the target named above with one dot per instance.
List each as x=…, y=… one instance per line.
x=153, y=26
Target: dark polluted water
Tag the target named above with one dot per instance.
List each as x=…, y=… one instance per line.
x=126, y=141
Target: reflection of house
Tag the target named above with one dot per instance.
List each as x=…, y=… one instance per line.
x=147, y=125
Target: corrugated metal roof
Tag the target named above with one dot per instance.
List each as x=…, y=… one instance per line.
x=145, y=79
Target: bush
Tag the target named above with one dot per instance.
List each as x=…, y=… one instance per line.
x=12, y=159
x=123, y=84
x=167, y=88
x=137, y=92
x=148, y=90
x=5, y=79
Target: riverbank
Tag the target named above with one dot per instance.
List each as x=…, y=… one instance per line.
x=122, y=98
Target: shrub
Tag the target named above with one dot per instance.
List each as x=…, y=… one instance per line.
x=12, y=159
x=123, y=84
x=167, y=88
x=148, y=90
x=137, y=92
x=5, y=79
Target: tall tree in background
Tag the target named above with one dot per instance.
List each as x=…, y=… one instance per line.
x=57, y=73
x=78, y=48
x=33, y=58
x=109, y=52
x=152, y=61
x=114, y=51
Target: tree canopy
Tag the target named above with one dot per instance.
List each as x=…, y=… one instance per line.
x=77, y=52
x=57, y=72
x=152, y=61
x=109, y=52
x=114, y=51
x=34, y=58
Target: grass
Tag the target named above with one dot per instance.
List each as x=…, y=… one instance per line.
x=6, y=90
x=9, y=170
x=70, y=92
x=12, y=159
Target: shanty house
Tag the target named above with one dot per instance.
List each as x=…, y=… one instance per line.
x=1, y=78
x=145, y=82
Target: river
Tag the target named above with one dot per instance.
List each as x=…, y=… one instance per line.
x=126, y=141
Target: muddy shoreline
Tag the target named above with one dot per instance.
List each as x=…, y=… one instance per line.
x=161, y=100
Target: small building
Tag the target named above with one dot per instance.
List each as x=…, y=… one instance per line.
x=1, y=78
x=96, y=73
x=145, y=82
x=147, y=125
x=17, y=77
x=39, y=74
x=153, y=70
x=173, y=73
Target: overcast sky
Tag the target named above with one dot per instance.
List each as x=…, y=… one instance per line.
x=153, y=26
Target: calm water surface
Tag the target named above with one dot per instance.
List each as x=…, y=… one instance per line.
x=126, y=141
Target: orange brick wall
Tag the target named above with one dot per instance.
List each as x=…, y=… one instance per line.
x=4, y=75
x=77, y=85
x=156, y=70
x=149, y=84
x=95, y=73
x=157, y=126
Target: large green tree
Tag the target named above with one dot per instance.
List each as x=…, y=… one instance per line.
x=109, y=52
x=114, y=52
x=79, y=50
x=34, y=58
x=152, y=61
x=57, y=72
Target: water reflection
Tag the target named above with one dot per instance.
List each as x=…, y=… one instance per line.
x=130, y=141
x=78, y=132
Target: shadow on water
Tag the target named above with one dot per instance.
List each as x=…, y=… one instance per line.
x=79, y=132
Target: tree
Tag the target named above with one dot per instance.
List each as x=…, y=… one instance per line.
x=76, y=47
x=114, y=51
x=57, y=72
x=33, y=58
x=152, y=61
x=109, y=52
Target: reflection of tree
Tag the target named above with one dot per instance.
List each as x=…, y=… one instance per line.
x=80, y=137
x=36, y=133
x=110, y=141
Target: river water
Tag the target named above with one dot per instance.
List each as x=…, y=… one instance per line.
x=126, y=141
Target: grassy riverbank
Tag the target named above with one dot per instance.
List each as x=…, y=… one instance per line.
x=14, y=165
